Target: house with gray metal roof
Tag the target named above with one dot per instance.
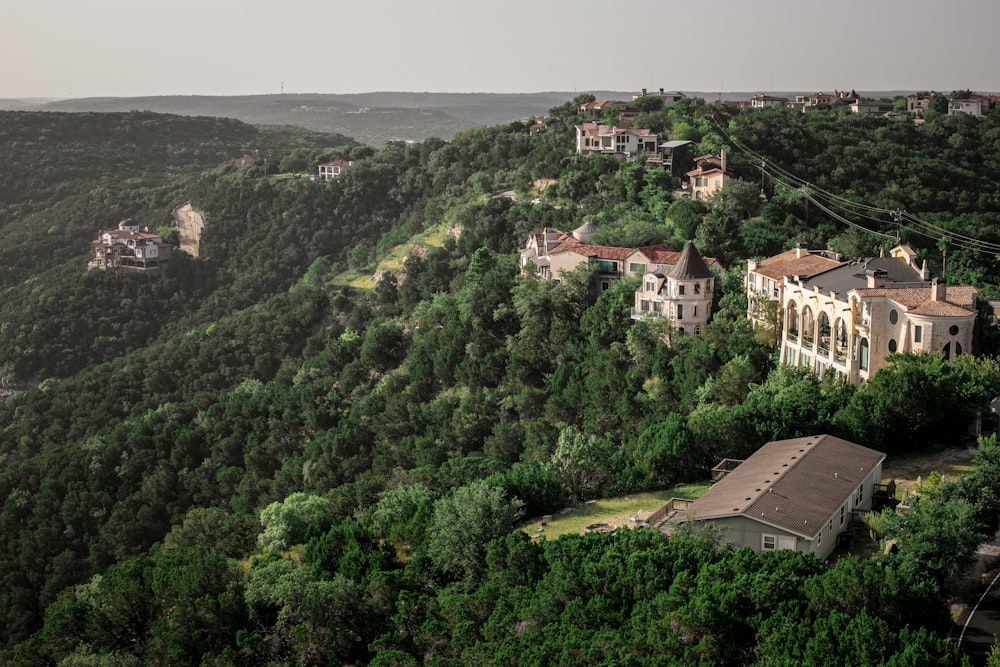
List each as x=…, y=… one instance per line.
x=796, y=494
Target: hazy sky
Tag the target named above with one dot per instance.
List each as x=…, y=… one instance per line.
x=83, y=48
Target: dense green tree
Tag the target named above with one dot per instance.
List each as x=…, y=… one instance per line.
x=464, y=523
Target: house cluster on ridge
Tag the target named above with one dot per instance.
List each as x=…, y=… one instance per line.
x=675, y=285
x=847, y=316
x=129, y=247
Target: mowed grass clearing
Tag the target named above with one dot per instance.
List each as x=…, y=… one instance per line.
x=430, y=238
x=614, y=512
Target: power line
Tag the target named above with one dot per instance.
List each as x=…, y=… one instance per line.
x=827, y=201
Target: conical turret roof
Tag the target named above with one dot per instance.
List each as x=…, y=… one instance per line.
x=690, y=266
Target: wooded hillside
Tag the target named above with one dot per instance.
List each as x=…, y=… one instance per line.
x=243, y=460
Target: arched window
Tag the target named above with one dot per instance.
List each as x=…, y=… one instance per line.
x=863, y=354
x=792, y=317
x=840, y=340
x=807, y=327
x=824, y=333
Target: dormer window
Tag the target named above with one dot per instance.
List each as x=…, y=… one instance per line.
x=697, y=288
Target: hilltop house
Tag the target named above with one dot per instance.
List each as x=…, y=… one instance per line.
x=709, y=176
x=601, y=139
x=682, y=294
x=849, y=317
x=675, y=285
x=128, y=248
x=765, y=101
x=333, y=169
x=669, y=98
x=796, y=494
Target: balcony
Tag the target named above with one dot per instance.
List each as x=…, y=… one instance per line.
x=645, y=314
x=792, y=336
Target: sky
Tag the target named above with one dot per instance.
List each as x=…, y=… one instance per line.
x=127, y=48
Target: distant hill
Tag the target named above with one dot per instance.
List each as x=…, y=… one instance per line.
x=371, y=118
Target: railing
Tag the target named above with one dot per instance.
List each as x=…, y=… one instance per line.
x=792, y=337
x=640, y=314
x=666, y=511
x=807, y=344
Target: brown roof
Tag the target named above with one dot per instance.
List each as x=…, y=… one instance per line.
x=690, y=266
x=795, y=485
x=598, y=251
x=960, y=300
x=789, y=264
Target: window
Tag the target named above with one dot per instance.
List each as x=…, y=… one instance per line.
x=918, y=333
x=893, y=316
x=953, y=330
x=863, y=355
x=636, y=267
x=657, y=306
x=892, y=345
x=644, y=305
x=843, y=509
x=680, y=311
x=769, y=542
x=650, y=286
x=697, y=288
x=605, y=285
x=606, y=265
x=694, y=312
x=680, y=290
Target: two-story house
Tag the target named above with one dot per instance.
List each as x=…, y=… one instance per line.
x=766, y=101
x=681, y=293
x=972, y=106
x=129, y=247
x=709, y=176
x=847, y=319
x=333, y=169
x=601, y=139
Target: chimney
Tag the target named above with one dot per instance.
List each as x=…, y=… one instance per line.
x=661, y=92
x=876, y=278
x=643, y=92
x=939, y=290
x=801, y=250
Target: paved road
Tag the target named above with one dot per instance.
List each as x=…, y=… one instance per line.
x=979, y=626
x=189, y=226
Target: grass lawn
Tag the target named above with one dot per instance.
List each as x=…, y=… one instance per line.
x=614, y=512
x=430, y=238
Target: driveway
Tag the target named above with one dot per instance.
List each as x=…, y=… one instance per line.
x=978, y=624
